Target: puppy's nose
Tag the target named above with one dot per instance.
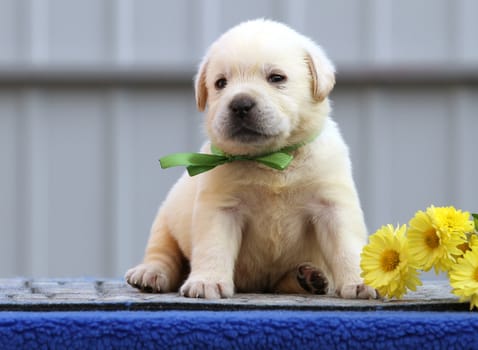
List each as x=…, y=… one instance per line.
x=241, y=105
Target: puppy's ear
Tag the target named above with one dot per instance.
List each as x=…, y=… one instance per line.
x=321, y=70
x=200, y=85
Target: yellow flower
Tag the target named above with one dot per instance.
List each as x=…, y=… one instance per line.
x=435, y=235
x=385, y=263
x=453, y=221
x=472, y=240
x=464, y=277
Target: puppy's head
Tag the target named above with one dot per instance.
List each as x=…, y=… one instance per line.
x=265, y=87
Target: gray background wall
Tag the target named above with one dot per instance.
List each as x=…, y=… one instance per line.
x=93, y=92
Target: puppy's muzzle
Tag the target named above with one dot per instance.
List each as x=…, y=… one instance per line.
x=245, y=121
x=242, y=105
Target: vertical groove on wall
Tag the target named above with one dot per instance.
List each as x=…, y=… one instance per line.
x=35, y=171
x=380, y=31
x=38, y=34
x=36, y=198
x=106, y=197
x=121, y=143
x=362, y=154
x=296, y=14
x=122, y=15
x=468, y=107
x=20, y=53
x=455, y=35
x=210, y=15
x=458, y=158
x=18, y=189
x=122, y=181
x=379, y=151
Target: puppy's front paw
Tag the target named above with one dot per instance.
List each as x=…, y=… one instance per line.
x=197, y=287
x=358, y=291
x=148, y=278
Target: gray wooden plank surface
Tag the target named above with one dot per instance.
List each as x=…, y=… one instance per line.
x=112, y=294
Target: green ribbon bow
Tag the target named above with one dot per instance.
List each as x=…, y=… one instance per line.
x=197, y=163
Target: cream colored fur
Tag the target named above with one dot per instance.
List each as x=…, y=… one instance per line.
x=243, y=226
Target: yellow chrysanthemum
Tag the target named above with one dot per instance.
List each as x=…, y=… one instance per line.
x=472, y=241
x=385, y=263
x=435, y=235
x=452, y=220
x=464, y=277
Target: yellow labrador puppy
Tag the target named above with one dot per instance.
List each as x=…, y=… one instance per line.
x=246, y=225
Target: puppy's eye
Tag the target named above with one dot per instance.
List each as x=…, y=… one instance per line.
x=276, y=78
x=220, y=83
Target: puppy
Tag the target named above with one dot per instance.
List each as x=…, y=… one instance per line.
x=245, y=226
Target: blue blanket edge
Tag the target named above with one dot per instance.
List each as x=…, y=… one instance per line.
x=238, y=330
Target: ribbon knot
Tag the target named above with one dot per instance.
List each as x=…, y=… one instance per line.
x=197, y=163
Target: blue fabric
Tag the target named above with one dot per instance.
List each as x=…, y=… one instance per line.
x=238, y=330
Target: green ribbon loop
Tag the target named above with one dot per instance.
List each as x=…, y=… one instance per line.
x=277, y=160
x=197, y=163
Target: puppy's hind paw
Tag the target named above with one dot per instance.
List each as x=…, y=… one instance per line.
x=358, y=291
x=312, y=279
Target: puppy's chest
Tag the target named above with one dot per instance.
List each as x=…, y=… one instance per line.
x=275, y=216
